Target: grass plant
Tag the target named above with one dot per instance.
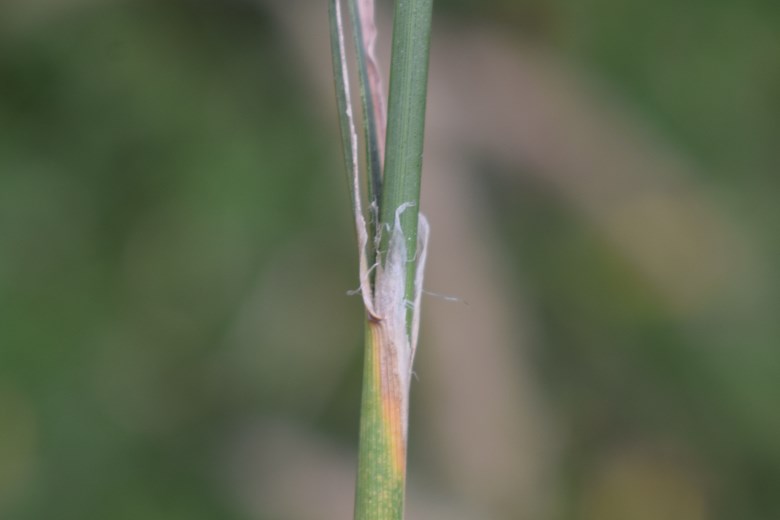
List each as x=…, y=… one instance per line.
x=392, y=247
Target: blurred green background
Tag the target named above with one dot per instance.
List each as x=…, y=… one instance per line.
x=175, y=250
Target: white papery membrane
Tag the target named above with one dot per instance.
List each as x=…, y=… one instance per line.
x=389, y=297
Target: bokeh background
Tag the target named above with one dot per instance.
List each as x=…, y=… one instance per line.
x=176, y=341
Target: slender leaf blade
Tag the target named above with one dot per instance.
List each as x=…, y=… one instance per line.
x=406, y=123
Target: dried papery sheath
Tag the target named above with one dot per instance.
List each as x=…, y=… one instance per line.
x=423, y=232
x=391, y=306
x=390, y=351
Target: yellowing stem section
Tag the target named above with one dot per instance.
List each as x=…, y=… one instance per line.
x=382, y=465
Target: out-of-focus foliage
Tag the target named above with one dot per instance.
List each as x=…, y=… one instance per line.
x=169, y=191
x=154, y=157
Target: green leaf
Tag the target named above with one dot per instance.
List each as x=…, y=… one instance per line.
x=406, y=122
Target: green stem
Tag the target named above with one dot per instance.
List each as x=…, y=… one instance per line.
x=382, y=454
x=406, y=121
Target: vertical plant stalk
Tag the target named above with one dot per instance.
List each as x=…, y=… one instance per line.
x=406, y=121
x=392, y=297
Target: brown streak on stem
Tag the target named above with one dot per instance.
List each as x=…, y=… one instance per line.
x=392, y=396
